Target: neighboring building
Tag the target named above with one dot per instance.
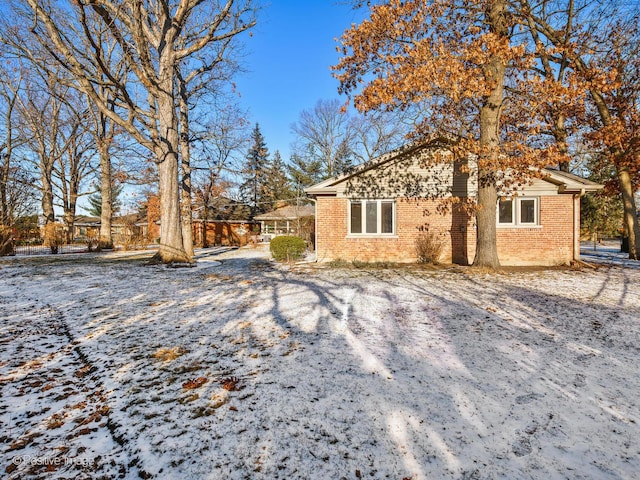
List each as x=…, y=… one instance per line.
x=288, y=220
x=377, y=211
x=224, y=222
x=85, y=227
x=124, y=229
x=224, y=232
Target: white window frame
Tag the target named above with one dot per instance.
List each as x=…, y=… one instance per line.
x=363, y=223
x=516, y=212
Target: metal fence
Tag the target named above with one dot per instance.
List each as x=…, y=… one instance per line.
x=45, y=250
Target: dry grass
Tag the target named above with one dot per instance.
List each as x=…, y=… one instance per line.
x=169, y=354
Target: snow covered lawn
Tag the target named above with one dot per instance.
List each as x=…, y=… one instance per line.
x=240, y=368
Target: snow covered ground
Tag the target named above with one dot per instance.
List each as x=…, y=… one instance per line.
x=240, y=368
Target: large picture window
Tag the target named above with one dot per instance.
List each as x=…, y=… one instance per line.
x=518, y=211
x=371, y=217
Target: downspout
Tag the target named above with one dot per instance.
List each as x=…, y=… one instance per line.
x=576, y=224
x=315, y=226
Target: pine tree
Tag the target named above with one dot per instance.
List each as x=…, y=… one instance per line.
x=304, y=173
x=277, y=184
x=95, y=200
x=254, y=174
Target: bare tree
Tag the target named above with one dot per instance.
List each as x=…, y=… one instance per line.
x=153, y=37
x=75, y=163
x=10, y=83
x=325, y=134
x=40, y=123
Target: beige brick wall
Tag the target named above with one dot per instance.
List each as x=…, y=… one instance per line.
x=549, y=244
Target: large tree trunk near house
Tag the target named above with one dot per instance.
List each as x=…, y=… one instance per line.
x=106, y=193
x=486, y=240
x=494, y=71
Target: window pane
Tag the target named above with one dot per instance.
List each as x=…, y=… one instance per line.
x=528, y=211
x=387, y=217
x=505, y=211
x=372, y=217
x=356, y=217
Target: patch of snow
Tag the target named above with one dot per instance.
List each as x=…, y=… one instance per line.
x=242, y=368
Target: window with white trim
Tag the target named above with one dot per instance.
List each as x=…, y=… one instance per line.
x=372, y=217
x=518, y=212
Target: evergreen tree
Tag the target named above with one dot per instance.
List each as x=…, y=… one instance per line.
x=95, y=200
x=277, y=184
x=602, y=212
x=344, y=159
x=304, y=173
x=253, y=189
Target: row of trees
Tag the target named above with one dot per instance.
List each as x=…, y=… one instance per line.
x=97, y=88
x=137, y=68
x=521, y=85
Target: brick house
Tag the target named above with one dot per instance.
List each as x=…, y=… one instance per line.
x=295, y=220
x=224, y=222
x=377, y=211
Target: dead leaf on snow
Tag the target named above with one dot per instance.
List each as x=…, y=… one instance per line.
x=191, y=384
x=231, y=384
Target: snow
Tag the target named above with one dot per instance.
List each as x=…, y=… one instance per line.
x=242, y=368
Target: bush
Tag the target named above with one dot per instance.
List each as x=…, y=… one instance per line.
x=429, y=248
x=53, y=236
x=287, y=248
x=6, y=241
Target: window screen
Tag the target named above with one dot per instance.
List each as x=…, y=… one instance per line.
x=372, y=217
x=356, y=217
x=527, y=211
x=505, y=211
x=387, y=217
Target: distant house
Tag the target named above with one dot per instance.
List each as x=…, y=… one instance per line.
x=85, y=227
x=377, y=211
x=124, y=229
x=288, y=220
x=224, y=222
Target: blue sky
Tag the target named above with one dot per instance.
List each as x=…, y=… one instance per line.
x=287, y=62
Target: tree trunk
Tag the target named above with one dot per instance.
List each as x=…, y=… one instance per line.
x=632, y=226
x=69, y=220
x=494, y=71
x=106, y=193
x=560, y=136
x=486, y=239
x=5, y=218
x=185, y=163
x=47, y=206
x=624, y=180
x=171, y=241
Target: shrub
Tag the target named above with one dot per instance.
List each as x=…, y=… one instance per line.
x=429, y=248
x=287, y=248
x=53, y=237
x=6, y=241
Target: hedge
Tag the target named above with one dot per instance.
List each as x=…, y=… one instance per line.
x=287, y=248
